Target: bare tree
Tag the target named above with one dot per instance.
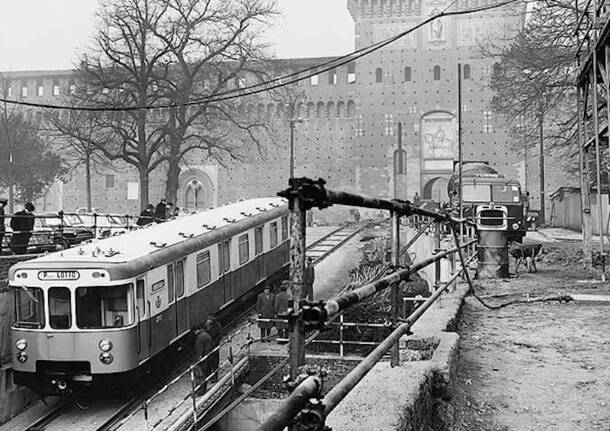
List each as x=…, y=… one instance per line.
x=125, y=67
x=214, y=46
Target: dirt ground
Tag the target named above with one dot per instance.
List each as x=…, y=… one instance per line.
x=536, y=366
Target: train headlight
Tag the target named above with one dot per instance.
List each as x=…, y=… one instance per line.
x=22, y=357
x=106, y=358
x=21, y=344
x=105, y=345
x=515, y=226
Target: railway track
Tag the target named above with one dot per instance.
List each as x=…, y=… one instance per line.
x=112, y=419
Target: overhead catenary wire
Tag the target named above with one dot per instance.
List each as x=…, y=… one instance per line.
x=272, y=84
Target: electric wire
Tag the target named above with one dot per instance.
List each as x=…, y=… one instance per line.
x=272, y=84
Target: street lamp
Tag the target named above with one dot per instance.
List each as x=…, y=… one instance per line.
x=541, y=91
x=292, y=123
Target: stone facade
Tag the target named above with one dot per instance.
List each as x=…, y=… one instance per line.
x=349, y=129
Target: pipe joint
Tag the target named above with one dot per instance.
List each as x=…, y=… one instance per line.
x=311, y=193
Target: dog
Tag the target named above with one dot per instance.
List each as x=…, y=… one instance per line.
x=526, y=254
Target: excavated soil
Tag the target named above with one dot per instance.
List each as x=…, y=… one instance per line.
x=538, y=366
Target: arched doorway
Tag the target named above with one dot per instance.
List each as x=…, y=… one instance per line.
x=436, y=190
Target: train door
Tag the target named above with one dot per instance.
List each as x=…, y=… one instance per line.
x=171, y=302
x=258, y=254
x=143, y=341
x=181, y=302
x=224, y=265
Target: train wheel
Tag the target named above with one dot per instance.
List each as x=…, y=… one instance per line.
x=83, y=402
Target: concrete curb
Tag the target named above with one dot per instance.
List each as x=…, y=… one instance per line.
x=413, y=396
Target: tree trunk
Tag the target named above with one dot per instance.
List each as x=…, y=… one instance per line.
x=173, y=180
x=143, y=187
x=88, y=180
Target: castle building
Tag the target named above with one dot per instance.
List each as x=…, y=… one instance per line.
x=350, y=116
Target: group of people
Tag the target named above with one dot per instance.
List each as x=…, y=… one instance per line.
x=271, y=307
x=22, y=225
x=162, y=212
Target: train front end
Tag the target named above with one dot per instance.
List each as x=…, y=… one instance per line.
x=73, y=329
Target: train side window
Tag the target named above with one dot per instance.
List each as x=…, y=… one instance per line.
x=226, y=256
x=284, y=228
x=180, y=278
x=170, y=282
x=244, y=249
x=203, y=269
x=273, y=234
x=258, y=240
x=60, y=314
x=140, y=297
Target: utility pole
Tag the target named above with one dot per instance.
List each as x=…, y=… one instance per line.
x=460, y=149
x=292, y=121
x=9, y=141
x=541, y=129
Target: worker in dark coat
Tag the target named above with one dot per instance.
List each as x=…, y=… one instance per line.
x=161, y=211
x=310, y=277
x=203, y=346
x=22, y=224
x=147, y=216
x=264, y=308
x=3, y=202
x=213, y=327
x=280, y=306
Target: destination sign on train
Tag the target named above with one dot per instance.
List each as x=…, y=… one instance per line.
x=58, y=275
x=487, y=175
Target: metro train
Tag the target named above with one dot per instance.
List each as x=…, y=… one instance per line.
x=93, y=316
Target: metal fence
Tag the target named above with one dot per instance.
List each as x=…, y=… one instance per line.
x=305, y=408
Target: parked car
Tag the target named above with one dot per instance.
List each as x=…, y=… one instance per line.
x=69, y=231
x=43, y=238
x=105, y=225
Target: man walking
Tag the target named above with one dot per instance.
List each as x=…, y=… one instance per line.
x=3, y=202
x=213, y=328
x=280, y=307
x=22, y=224
x=310, y=277
x=264, y=308
x=203, y=346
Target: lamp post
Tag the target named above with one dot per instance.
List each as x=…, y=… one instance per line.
x=292, y=123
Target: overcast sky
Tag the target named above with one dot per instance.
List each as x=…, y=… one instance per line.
x=48, y=34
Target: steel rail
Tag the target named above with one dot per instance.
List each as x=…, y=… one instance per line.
x=41, y=423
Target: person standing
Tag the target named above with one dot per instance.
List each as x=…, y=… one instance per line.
x=264, y=309
x=203, y=346
x=310, y=277
x=22, y=224
x=280, y=307
x=147, y=216
x=3, y=202
x=213, y=328
x=161, y=211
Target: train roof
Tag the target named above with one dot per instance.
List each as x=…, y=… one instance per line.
x=129, y=254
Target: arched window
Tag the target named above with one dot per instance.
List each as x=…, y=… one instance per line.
x=194, y=196
x=330, y=110
x=270, y=111
x=340, y=109
x=378, y=75
x=351, y=108
x=407, y=74
x=310, y=110
x=279, y=113
x=300, y=110
x=437, y=73
x=320, y=110
x=466, y=71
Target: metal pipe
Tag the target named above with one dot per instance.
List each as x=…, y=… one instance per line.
x=340, y=391
x=335, y=305
x=416, y=237
x=437, y=246
x=283, y=416
x=395, y=300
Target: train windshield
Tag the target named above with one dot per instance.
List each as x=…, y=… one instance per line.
x=29, y=307
x=506, y=193
x=477, y=193
x=100, y=307
x=60, y=314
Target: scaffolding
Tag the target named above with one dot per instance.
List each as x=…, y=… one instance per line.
x=593, y=90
